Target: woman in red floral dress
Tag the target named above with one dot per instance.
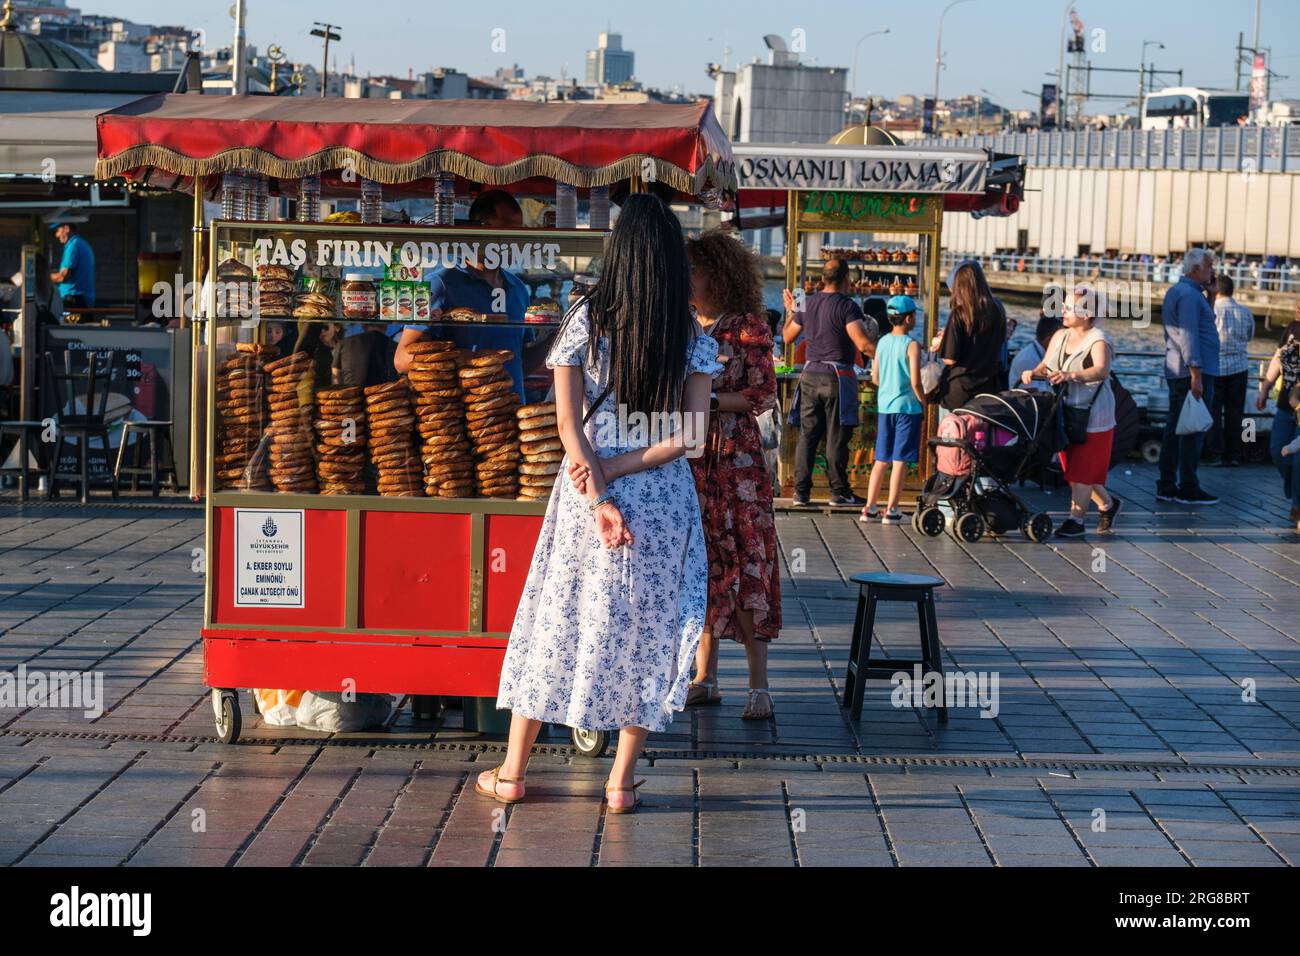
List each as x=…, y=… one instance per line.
x=731, y=476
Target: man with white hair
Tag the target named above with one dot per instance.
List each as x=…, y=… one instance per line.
x=1191, y=365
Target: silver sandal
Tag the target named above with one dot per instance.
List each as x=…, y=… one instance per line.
x=747, y=714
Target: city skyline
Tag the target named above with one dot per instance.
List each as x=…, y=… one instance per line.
x=669, y=54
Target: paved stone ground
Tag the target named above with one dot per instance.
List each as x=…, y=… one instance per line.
x=1123, y=734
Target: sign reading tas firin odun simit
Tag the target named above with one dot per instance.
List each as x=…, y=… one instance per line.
x=268, y=558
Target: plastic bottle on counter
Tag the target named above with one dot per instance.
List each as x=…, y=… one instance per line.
x=234, y=196
x=309, y=199
x=372, y=201
x=598, y=207
x=444, y=200
x=259, y=198
x=566, y=206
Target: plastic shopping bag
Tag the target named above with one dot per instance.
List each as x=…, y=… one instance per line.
x=279, y=708
x=769, y=429
x=329, y=712
x=1194, y=417
x=325, y=711
x=931, y=373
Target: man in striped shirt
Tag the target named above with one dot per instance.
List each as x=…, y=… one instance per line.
x=1236, y=326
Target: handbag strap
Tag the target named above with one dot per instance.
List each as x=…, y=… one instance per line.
x=1061, y=361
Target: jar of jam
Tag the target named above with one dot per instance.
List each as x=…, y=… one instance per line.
x=359, y=300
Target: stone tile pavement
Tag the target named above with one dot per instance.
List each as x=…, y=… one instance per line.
x=1147, y=713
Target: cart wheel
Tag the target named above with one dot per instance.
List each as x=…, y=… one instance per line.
x=591, y=743
x=225, y=710
x=970, y=527
x=1038, y=528
x=929, y=521
x=1151, y=450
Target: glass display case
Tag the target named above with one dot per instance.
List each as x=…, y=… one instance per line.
x=373, y=360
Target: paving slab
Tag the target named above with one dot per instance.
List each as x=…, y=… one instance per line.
x=1163, y=690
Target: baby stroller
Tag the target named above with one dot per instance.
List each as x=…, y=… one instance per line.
x=980, y=450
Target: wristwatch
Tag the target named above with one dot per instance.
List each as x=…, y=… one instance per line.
x=713, y=401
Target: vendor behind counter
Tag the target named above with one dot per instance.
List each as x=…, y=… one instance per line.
x=480, y=290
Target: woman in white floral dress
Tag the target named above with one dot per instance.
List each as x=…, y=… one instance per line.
x=615, y=601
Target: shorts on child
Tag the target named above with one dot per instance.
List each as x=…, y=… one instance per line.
x=898, y=437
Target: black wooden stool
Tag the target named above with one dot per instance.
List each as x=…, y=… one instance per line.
x=23, y=431
x=154, y=433
x=883, y=587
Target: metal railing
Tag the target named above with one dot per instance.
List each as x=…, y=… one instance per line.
x=1244, y=276
x=1250, y=149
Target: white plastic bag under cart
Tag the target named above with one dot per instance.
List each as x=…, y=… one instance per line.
x=333, y=713
x=1194, y=417
x=325, y=711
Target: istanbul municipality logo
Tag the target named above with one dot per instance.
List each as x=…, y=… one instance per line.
x=268, y=528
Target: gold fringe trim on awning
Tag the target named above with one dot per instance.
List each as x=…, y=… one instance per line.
x=343, y=157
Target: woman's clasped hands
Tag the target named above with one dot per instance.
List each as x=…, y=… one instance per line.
x=611, y=527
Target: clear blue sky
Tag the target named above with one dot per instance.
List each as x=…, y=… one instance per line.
x=1002, y=46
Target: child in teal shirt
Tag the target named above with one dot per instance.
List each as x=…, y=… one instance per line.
x=896, y=371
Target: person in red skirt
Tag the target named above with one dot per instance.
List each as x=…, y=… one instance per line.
x=731, y=477
x=1078, y=358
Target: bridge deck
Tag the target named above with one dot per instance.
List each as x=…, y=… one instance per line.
x=1120, y=663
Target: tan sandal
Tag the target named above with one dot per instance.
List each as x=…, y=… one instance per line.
x=703, y=694
x=748, y=713
x=496, y=779
x=629, y=809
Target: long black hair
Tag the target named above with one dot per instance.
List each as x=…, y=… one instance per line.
x=641, y=304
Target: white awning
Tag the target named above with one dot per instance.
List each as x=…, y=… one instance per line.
x=52, y=133
x=869, y=168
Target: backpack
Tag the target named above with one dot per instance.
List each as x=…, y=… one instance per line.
x=955, y=427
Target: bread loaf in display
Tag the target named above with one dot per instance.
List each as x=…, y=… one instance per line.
x=241, y=412
x=490, y=402
x=390, y=418
x=540, y=450
x=440, y=418
x=341, y=434
x=291, y=399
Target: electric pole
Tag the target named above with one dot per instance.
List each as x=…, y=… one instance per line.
x=238, y=83
x=326, y=32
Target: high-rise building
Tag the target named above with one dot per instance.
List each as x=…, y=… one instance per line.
x=780, y=101
x=609, y=64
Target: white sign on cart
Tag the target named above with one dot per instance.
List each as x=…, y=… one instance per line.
x=268, y=557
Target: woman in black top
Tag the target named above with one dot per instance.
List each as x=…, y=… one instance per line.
x=1285, y=364
x=971, y=342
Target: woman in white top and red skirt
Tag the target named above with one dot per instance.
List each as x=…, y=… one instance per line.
x=1078, y=360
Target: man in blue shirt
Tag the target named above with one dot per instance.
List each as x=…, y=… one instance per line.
x=1191, y=365
x=76, y=275
x=495, y=293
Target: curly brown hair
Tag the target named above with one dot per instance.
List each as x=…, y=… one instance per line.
x=730, y=270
